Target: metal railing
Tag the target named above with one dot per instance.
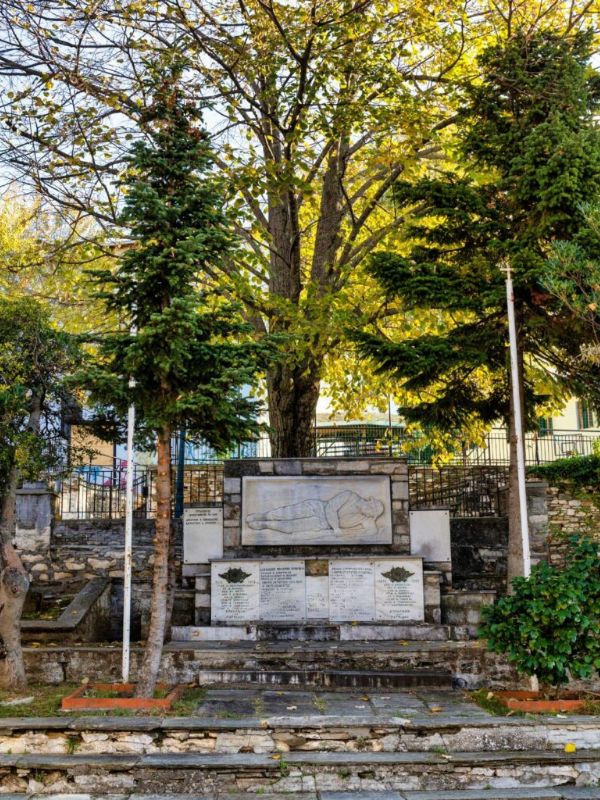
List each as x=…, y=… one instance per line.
x=98, y=492
x=472, y=483
x=370, y=439
x=466, y=491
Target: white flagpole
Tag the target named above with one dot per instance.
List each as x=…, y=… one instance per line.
x=516, y=394
x=127, y=561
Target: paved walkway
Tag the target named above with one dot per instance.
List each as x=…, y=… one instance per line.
x=252, y=702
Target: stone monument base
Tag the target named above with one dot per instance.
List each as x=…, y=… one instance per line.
x=302, y=590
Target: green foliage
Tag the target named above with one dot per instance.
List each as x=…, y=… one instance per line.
x=527, y=152
x=35, y=359
x=182, y=343
x=578, y=471
x=549, y=627
x=573, y=277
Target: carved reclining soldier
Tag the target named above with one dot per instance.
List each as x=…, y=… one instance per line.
x=343, y=513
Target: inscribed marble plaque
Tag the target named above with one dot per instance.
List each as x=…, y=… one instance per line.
x=316, y=510
x=351, y=591
x=317, y=597
x=235, y=591
x=399, y=589
x=430, y=534
x=282, y=591
x=202, y=535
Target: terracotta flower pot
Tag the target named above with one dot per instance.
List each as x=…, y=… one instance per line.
x=535, y=703
x=78, y=701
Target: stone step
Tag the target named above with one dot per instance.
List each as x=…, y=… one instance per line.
x=318, y=632
x=181, y=661
x=555, y=793
x=327, y=679
x=258, y=775
x=236, y=721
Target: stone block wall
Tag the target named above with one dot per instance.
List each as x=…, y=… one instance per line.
x=315, y=467
x=570, y=512
x=78, y=550
x=479, y=552
x=62, y=555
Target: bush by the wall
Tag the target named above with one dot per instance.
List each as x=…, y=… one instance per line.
x=550, y=626
x=578, y=471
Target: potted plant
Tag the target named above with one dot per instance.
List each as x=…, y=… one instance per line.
x=549, y=628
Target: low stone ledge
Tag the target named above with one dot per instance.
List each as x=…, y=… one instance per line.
x=74, y=614
x=557, y=792
x=179, y=761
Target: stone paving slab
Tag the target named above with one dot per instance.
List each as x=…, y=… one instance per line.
x=230, y=709
x=521, y=793
x=524, y=793
x=361, y=795
x=333, y=704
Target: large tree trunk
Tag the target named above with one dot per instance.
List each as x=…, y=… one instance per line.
x=159, y=606
x=14, y=580
x=293, y=395
x=14, y=585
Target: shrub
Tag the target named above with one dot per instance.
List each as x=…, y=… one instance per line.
x=549, y=627
x=580, y=471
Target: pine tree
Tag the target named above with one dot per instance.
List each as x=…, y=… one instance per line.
x=182, y=343
x=527, y=153
x=573, y=277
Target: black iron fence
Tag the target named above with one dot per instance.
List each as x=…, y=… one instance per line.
x=473, y=482
x=475, y=491
x=98, y=492
x=370, y=439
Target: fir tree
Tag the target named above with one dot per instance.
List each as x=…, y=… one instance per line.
x=527, y=153
x=184, y=346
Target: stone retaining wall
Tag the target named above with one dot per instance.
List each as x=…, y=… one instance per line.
x=78, y=550
x=256, y=773
x=469, y=662
x=60, y=735
x=479, y=552
x=571, y=511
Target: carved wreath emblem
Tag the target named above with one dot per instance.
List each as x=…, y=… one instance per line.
x=234, y=575
x=397, y=574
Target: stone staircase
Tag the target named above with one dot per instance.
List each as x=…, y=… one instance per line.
x=328, y=679
x=321, y=746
